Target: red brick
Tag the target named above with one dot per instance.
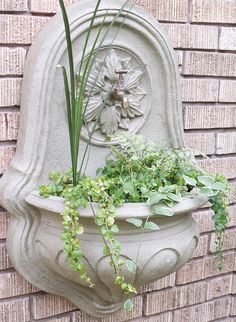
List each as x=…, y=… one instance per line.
x=219, y=308
x=15, y=311
x=204, y=220
x=19, y=29
x=9, y=124
x=49, y=6
x=204, y=312
x=166, y=10
x=214, y=11
x=190, y=36
x=227, y=91
x=229, y=240
x=209, y=117
x=202, y=268
x=47, y=305
x=173, y=298
x=13, y=284
x=163, y=317
x=4, y=220
x=225, y=166
x=61, y=319
x=202, y=142
x=209, y=64
x=233, y=306
x=202, y=247
x=120, y=316
x=12, y=61
x=200, y=90
x=10, y=89
x=219, y=286
x=210, y=265
x=226, y=142
x=232, y=193
x=227, y=38
x=160, y=284
x=6, y=154
x=10, y=5
x=4, y=259
x=232, y=215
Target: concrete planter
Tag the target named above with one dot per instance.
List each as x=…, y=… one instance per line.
x=159, y=252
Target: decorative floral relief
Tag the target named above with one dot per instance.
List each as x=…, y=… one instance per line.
x=102, y=111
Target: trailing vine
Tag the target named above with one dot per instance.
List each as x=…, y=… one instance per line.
x=135, y=171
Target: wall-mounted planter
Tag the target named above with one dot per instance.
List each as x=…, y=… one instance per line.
x=33, y=240
x=161, y=252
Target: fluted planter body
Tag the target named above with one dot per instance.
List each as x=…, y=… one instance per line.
x=157, y=253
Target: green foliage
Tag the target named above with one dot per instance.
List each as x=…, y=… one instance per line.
x=135, y=171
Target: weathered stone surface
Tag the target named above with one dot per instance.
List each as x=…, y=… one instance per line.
x=44, y=105
x=214, y=11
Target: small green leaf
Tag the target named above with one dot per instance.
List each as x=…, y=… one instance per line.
x=115, y=229
x=206, y=181
x=161, y=210
x=106, y=250
x=190, y=181
x=219, y=186
x=155, y=199
x=128, y=305
x=136, y=222
x=131, y=266
x=129, y=188
x=207, y=191
x=174, y=197
x=151, y=226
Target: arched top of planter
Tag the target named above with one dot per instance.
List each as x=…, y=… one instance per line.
x=43, y=140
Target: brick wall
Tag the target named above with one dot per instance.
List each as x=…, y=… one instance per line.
x=203, y=32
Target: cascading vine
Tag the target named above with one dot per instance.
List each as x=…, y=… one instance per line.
x=136, y=171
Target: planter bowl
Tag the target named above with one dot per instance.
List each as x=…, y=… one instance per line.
x=158, y=253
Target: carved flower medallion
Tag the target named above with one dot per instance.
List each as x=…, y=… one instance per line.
x=103, y=112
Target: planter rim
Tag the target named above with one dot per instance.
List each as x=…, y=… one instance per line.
x=128, y=210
